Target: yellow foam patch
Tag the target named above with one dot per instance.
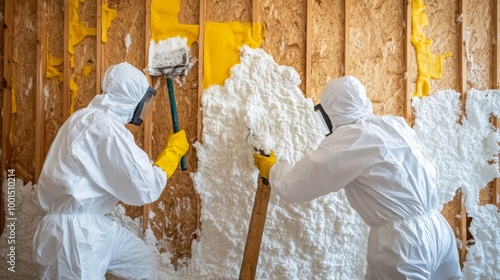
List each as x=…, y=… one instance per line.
x=86, y=70
x=77, y=29
x=222, y=40
x=108, y=15
x=222, y=44
x=429, y=65
x=164, y=22
x=73, y=88
x=52, y=72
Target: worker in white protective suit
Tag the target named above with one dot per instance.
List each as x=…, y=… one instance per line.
x=92, y=164
x=387, y=180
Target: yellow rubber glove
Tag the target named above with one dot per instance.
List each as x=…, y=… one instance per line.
x=177, y=146
x=264, y=163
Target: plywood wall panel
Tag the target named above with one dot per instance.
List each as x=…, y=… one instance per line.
x=285, y=35
x=190, y=12
x=327, y=44
x=227, y=11
x=24, y=80
x=175, y=212
x=443, y=30
x=85, y=55
x=479, y=43
x=377, y=52
x=130, y=22
x=54, y=87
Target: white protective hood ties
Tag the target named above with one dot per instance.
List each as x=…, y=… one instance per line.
x=92, y=164
x=387, y=180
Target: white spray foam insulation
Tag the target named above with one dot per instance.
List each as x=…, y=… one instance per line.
x=261, y=106
x=460, y=151
x=323, y=239
x=464, y=151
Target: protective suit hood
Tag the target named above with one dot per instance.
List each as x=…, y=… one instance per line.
x=344, y=101
x=123, y=86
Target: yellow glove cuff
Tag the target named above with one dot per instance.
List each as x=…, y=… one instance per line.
x=264, y=163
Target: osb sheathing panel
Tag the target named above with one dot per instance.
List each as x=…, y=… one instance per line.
x=24, y=81
x=177, y=219
x=327, y=45
x=285, y=26
x=54, y=87
x=443, y=29
x=130, y=21
x=175, y=211
x=377, y=52
x=228, y=11
x=85, y=55
x=479, y=42
x=190, y=13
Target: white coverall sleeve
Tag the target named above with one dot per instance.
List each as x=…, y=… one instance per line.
x=121, y=168
x=337, y=162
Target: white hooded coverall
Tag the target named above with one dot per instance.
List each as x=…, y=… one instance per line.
x=387, y=180
x=92, y=164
